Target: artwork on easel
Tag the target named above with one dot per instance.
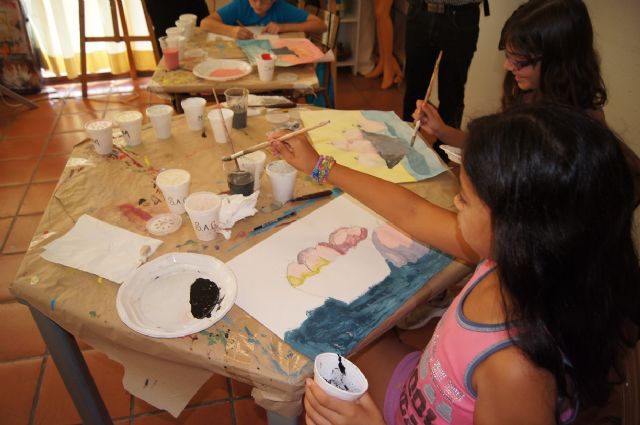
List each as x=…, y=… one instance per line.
x=374, y=142
x=19, y=67
x=334, y=276
x=289, y=51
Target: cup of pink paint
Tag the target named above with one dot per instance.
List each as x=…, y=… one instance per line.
x=171, y=54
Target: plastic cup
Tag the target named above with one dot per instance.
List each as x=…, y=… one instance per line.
x=174, y=184
x=101, y=132
x=130, y=122
x=171, y=54
x=238, y=101
x=160, y=116
x=193, y=108
x=283, y=178
x=266, y=63
x=203, y=209
x=188, y=17
x=219, y=133
x=240, y=181
x=186, y=26
x=172, y=31
x=178, y=42
x=346, y=383
x=254, y=163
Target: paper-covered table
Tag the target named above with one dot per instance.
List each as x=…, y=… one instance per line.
x=120, y=190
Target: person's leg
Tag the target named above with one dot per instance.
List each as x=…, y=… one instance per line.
x=391, y=72
x=420, y=56
x=459, y=48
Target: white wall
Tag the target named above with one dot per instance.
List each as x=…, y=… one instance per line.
x=616, y=26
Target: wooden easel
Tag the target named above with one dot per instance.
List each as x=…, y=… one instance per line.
x=116, y=37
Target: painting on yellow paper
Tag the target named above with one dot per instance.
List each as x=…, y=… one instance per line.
x=374, y=142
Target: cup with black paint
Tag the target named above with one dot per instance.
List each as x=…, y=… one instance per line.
x=338, y=377
x=203, y=209
x=238, y=100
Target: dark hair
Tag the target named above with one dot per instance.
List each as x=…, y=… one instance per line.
x=558, y=32
x=561, y=202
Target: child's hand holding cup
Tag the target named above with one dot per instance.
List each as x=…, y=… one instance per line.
x=338, y=377
x=266, y=64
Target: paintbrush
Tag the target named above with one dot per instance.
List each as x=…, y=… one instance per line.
x=279, y=139
x=241, y=25
x=416, y=127
x=224, y=126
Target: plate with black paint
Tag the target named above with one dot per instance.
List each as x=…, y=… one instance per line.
x=156, y=299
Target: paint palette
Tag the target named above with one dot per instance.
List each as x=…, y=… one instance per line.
x=154, y=300
x=222, y=69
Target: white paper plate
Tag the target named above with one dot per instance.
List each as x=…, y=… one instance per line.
x=203, y=69
x=155, y=299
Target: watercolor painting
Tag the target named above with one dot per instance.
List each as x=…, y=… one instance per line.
x=334, y=276
x=289, y=51
x=374, y=142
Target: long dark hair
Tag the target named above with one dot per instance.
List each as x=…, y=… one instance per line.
x=561, y=201
x=559, y=33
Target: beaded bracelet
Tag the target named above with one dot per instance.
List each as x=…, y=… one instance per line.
x=320, y=172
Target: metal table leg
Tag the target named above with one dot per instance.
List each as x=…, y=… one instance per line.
x=74, y=371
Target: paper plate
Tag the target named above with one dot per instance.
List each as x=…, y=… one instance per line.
x=204, y=69
x=454, y=153
x=154, y=301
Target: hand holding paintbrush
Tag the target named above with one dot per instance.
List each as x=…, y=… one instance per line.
x=280, y=139
x=416, y=127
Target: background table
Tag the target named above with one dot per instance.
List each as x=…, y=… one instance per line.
x=120, y=190
x=178, y=83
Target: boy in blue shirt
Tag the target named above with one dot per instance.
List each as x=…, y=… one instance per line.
x=277, y=16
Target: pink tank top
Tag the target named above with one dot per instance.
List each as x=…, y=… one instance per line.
x=439, y=390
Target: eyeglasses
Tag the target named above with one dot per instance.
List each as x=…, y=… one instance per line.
x=519, y=64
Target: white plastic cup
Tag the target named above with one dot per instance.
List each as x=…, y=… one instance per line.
x=266, y=63
x=189, y=17
x=101, y=132
x=174, y=184
x=349, y=386
x=178, y=42
x=160, y=116
x=219, y=134
x=130, y=122
x=283, y=178
x=203, y=209
x=173, y=31
x=254, y=163
x=186, y=26
x=193, y=108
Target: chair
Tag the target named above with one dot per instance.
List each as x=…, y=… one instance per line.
x=125, y=37
x=326, y=41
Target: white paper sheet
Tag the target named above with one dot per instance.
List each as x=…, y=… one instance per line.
x=100, y=248
x=268, y=296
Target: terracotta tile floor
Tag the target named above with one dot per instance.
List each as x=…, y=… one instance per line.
x=34, y=147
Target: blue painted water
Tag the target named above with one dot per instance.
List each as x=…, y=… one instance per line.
x=337, y=326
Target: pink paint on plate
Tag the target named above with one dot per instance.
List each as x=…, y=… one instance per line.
x=226, y=72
